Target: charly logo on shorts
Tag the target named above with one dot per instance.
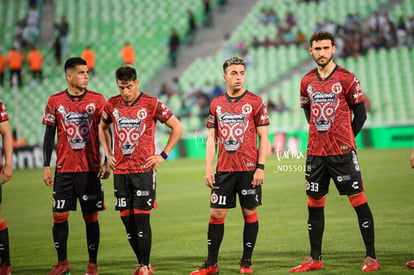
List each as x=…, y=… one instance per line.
x=141, y=193
x=246, y=192
x=214, y=198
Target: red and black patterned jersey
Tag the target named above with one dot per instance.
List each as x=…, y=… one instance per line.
x=77, y=120
x=3, y=115
x=329, y=100
x=134, y=128
x=236, y=120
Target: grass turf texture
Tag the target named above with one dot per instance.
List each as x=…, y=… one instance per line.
x=180, y=223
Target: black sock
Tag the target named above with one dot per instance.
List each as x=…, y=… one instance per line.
x=92, y=236
x=144, y=237
x=131, y=230
x=60, y=237
x=316, y=225
x=4, y=247
x=215, y=236
x=366, y=225
x=249, y=238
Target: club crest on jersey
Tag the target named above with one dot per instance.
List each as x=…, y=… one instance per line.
x=129, y=130
x=90, y=109
x=214, y=198
x=77, y=127
x=232, y=127
x=324, y=106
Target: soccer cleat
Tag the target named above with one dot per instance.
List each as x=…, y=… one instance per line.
x=5, y=270
x=246, y=266
x=62, y=268
x=308, y=264
x=92, y=269
x=206, y=269
x=410, y=265
x=370, y=264
x=140, y=271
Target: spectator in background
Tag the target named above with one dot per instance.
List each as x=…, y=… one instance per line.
x=173, y=46
x=15, y=60
x=248, y=59
x=255, y=42
x=228, y=46
x=207, y=14
x=35, y=60
x=290, y=19
x=57, y=48
x=192, y=28
x=18, y=141
x=128, y=54
x=3, y=63
x=89, y=56
x=300, y=38
x=63, y=30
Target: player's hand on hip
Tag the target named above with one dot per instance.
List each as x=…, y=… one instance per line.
x=6, y=172
x=47, y=176
x=258, y=178
x=154, y=160
x=210, y=178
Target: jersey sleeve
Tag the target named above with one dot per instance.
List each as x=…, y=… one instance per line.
x=304, y=96
x=50, y=114
x=353, y=94
x=3, y=112
x=261, y=118
x=212, y=117
x=106, y=118
x=162, y=113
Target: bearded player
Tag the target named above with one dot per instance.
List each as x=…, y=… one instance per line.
x=329, y=95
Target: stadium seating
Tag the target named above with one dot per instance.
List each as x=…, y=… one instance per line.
x=105, y=25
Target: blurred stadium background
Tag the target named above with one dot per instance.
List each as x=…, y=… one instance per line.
x=385, y=71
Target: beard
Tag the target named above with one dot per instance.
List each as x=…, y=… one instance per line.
x=323, y=63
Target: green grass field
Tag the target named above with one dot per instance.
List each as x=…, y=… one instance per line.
x=180, y=223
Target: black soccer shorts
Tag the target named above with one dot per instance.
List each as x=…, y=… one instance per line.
x=85, y=186
x=135, y=191
x=343, y=169
x=228, y=184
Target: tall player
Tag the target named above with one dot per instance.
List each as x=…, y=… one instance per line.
x=410, y=264
x=133, y=115
x=236, y=119
x=329, y=95
x=5, y=172
x=75, y=113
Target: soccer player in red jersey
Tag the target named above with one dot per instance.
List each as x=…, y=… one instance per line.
x=133, y=114
x=236, y=119
x=5, y=172
x=329, y=94
x=410, y=264
x=75, y=113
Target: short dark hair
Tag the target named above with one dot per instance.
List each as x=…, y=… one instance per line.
x=73, y=62
x=233, y=61
x=126, y=73
x=321, y=35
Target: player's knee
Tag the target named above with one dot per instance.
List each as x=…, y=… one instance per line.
x=357, y=200
x=3, y=225
x=218, y=214
x=60, y=217
x=316, y=202
x=125, y=213
x=90, y=218
x=252, y=218
x=215, y=220
x=139, y=211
